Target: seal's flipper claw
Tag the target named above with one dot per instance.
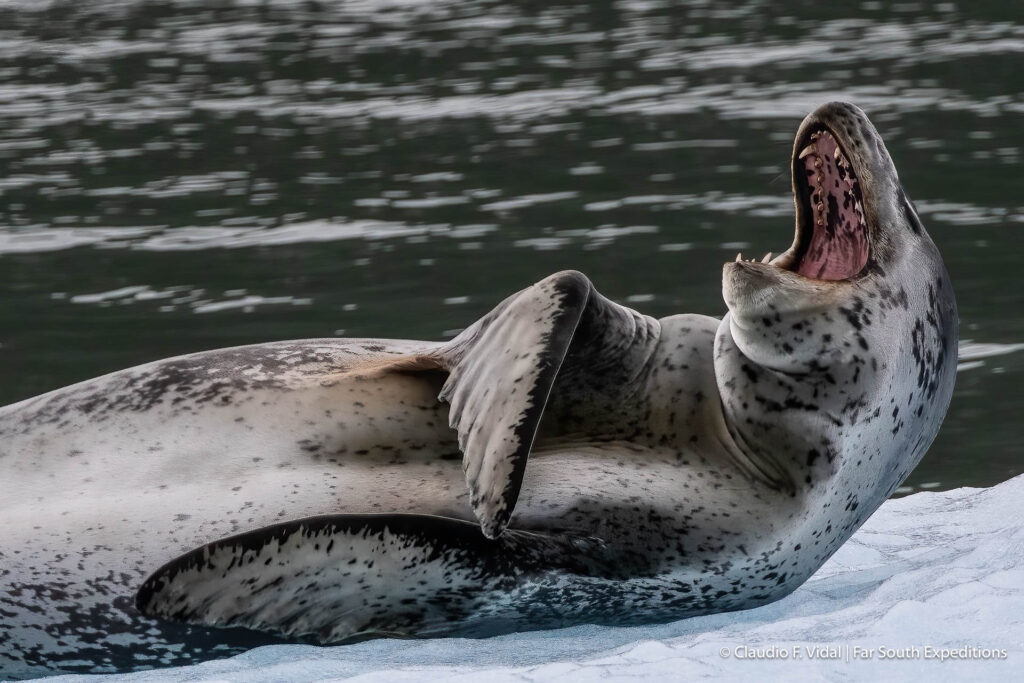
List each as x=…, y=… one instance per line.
x=335, y=577
x=557, y=336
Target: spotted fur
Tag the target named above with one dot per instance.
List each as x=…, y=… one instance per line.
x=626, y=470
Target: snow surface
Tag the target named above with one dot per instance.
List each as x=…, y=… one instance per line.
x=932, y=570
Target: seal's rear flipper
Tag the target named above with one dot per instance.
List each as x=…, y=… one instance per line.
x=335, y=577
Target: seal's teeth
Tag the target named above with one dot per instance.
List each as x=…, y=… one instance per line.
x=809, y=149
x=836, y=154
x=767, y=257
x=739, y=257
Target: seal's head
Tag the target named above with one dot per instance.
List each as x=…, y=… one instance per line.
x=846, y=342
x=857, y=237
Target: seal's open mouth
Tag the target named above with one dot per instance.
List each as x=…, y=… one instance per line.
x=832, y=235
x=832, y=238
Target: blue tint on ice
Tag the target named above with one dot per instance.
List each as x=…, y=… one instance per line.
x=938, y=570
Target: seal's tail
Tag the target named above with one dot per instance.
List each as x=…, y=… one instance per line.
x=337, y=577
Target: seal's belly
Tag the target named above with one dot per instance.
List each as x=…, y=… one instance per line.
x=148, y=484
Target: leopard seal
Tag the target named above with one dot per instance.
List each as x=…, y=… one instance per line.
x=564, y=459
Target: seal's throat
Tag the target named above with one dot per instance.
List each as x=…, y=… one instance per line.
x=834, y=235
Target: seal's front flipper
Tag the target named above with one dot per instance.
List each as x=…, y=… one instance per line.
x=334, y=577
x=504, y=367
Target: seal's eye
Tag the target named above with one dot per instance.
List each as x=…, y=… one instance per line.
x=834, y=246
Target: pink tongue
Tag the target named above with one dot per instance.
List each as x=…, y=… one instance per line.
x=838, y=247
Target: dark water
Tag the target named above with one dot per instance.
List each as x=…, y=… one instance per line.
x=177, y=176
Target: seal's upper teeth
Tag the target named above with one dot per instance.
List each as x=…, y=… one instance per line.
x=836, y=154
x=809, y=149
x=767, y=257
